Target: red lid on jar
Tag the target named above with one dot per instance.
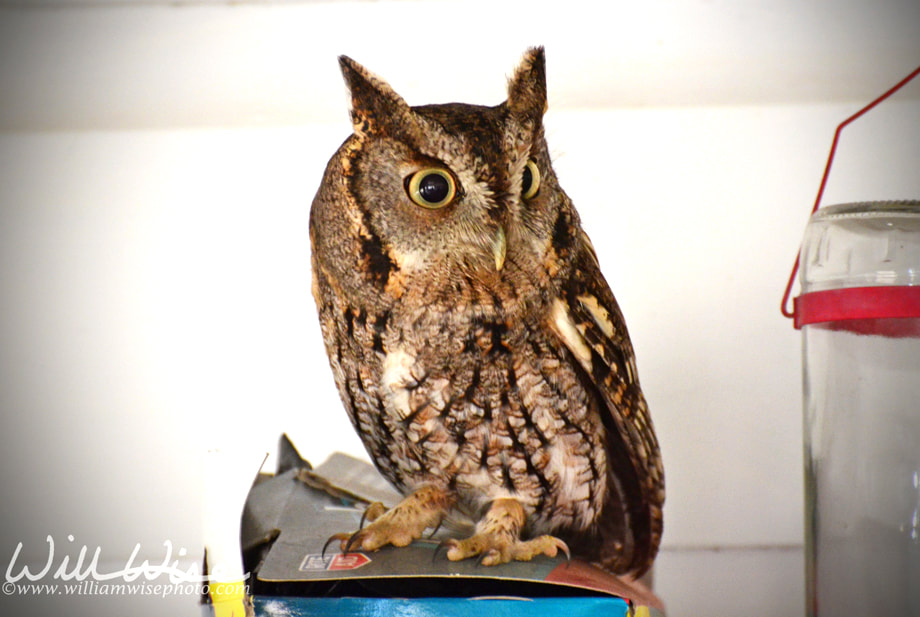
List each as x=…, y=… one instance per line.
x=888, y=311
x=860, y=268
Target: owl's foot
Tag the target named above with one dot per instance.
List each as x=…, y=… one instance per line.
x=400, y=526
x=495, y=549
x=497, y=538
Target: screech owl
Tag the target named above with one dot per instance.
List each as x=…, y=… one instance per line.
x=477, y=348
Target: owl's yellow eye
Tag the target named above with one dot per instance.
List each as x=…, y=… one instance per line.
x=431, y=188
x=530, y=181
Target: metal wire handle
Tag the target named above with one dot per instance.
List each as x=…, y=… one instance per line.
x=827, y=171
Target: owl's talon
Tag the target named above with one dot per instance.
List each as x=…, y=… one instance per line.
x=341, y=537
x=436, y=529
x=442, y=546
x=491, y=555
x=356, y=537
x=562, y=546
x=326, y=546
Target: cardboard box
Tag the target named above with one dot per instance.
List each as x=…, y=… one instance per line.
x=290, y=515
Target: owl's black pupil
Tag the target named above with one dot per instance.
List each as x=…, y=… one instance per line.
x=434, y=188
x=526, y=180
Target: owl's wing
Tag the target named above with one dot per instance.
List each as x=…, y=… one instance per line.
x=588, y=320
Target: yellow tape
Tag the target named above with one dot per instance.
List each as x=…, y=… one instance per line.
x=229, y=599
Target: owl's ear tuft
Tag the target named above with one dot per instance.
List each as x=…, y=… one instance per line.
x=527, y=87
x=375, y=106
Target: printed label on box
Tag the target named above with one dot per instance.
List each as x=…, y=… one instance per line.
x=316, y=562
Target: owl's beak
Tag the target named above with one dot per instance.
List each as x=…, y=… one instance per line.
x=499, y=246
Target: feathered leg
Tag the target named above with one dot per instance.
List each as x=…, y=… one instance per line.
x=497, y=538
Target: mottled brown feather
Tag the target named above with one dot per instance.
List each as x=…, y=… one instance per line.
x=481, y=380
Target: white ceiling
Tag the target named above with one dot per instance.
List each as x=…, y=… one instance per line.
x=71, y=64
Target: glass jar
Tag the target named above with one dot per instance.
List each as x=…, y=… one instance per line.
x=860, y=316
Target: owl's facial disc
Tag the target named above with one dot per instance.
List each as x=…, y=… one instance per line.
x=453, y=188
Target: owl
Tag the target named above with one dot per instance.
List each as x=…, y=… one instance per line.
x=477, y=349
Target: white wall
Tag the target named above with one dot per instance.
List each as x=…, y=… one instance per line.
x=157, y=163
